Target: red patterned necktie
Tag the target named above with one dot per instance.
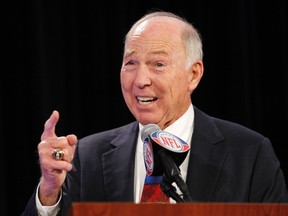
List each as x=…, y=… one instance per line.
x=152, y=191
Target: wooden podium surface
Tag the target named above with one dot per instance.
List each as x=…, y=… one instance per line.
x=180, y=209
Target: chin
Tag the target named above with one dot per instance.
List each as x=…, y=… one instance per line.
x=145, y=121
x=147, y=117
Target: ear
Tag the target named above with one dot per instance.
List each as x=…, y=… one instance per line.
x=196, y=73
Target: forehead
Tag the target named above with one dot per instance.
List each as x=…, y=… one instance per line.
x=157, y=25
x=157, y=33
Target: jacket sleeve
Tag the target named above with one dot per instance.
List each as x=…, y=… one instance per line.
x=268, y=182
x=30, y=209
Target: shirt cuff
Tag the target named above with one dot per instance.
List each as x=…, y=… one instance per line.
x=47, y=210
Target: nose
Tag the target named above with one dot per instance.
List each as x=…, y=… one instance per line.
x=142, y=77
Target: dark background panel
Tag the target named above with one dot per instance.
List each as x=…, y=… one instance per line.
x=66, y=55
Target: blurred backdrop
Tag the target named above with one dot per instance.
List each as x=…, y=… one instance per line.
x=66, y=55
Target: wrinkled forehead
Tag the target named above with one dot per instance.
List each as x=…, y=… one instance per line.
x=155, y=36
x=157, y=26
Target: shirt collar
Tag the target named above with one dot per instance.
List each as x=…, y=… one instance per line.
x=179, y=127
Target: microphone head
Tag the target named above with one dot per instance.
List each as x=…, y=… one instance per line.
x=154, y=139
x=149, y=129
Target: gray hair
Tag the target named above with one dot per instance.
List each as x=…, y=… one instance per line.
x=190, y=36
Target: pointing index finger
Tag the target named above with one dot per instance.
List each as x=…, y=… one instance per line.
x=50, y=125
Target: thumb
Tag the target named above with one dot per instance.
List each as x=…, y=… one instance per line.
x=50, y=125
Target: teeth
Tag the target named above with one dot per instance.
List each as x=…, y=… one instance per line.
x=145, y=100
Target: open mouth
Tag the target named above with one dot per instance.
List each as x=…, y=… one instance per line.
x=146, y=100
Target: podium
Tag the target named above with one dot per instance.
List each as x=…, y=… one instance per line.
x=179, y=209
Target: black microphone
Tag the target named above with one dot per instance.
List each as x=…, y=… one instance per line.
x=163, y=154
x=156, y=143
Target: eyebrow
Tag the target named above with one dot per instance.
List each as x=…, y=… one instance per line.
x=157, y=52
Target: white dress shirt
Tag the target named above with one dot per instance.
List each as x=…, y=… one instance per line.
x=183, y=128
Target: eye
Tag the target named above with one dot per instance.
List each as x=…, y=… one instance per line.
x=159, y=64
x=130, y=63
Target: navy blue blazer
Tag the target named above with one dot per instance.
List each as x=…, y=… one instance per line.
x=228, y=163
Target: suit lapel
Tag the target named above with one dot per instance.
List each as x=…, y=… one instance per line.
x=118, y=165
x=207, y=155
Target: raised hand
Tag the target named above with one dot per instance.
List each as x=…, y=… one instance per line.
x=54, y=171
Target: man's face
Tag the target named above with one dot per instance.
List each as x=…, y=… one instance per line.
x=154, y=79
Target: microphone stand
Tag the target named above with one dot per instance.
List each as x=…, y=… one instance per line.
x=173, y=174
x=169, y=189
